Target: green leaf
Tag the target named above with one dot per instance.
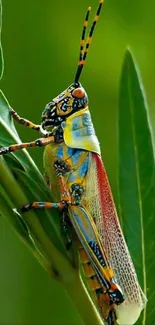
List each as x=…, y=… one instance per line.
x=1, y=51
x=9, y=135
x=20, y=227
x=137, y=180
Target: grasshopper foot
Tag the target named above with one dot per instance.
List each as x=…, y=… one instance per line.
x=3, y=151
x=112, y=318
x=26, y=208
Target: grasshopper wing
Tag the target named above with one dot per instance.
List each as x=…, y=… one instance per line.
x=99, y=201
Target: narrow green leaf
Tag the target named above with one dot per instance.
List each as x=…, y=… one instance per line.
x=9, y=135
x=1, y=51
x=19, y=226
x=33, y=190
x=136, y=180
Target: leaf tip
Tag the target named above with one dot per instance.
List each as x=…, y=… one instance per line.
x=128, y=56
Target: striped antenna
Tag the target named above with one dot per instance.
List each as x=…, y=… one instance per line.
x=83, y=54
x=85, y=25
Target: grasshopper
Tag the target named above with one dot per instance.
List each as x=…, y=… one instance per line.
x=73, y=166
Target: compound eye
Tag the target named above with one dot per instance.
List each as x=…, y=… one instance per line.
x=78, y=93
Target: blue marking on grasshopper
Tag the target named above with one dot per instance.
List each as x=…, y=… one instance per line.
x=75, y=125
x=55, y=205
x=83, y=169
x=86, y=120
x=86, y=230
x=60, y=153
x=72, y=178
x=76, y=155
x=71, y=151
x=41, y=204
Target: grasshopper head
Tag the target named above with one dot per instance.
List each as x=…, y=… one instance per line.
x=71, y=100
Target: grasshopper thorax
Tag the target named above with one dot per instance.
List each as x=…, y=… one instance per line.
x=71, y=100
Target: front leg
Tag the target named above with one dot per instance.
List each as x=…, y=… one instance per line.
x=61, y=168
x=42, y=142
x=23, y=121
x=42, y=205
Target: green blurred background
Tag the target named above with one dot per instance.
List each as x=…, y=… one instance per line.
x=41, y=42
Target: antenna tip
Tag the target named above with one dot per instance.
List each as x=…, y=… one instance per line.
x=89, y=8
x=101, y=1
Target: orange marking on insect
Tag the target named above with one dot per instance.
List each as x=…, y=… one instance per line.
x=35, y=205
x=101, y=300
x=83, y=255
x=78, y=92
x=85, y=23
x=94, y=284
x=60, y=205
x=96, y=18
x=48, y=205
x=67, y=198
x=110, y=272
x=89, y=40
x=113, y=286
x=82, y=42
x=81, y=62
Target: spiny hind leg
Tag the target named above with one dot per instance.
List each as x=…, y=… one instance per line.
x=23, y=121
